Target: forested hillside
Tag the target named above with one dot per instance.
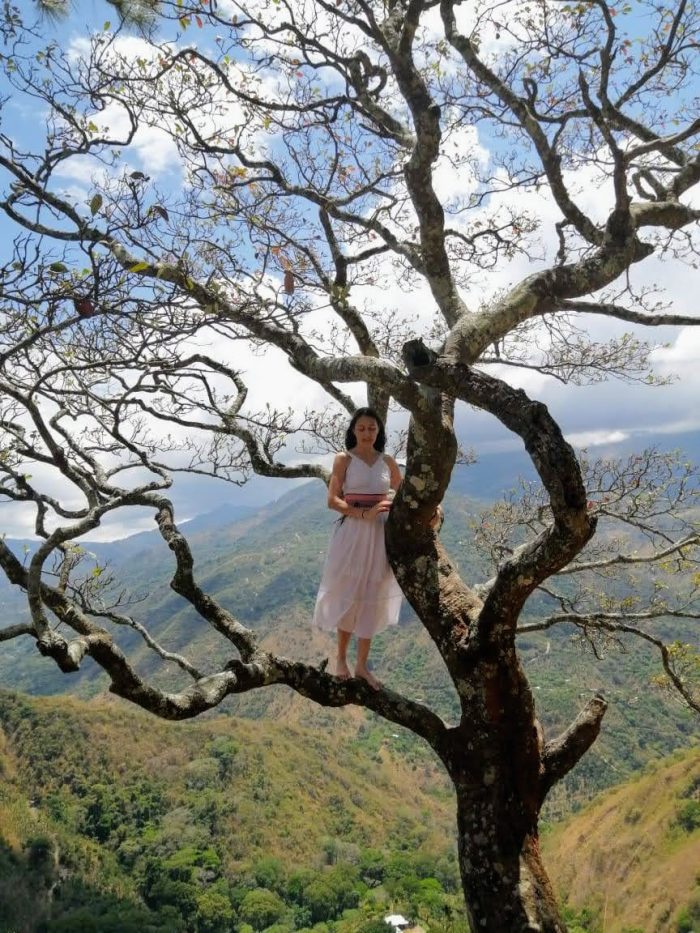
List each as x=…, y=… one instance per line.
x=224, y=825
x=112, y=821
x=265, y=565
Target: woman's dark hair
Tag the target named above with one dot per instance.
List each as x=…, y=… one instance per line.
x=351, y=440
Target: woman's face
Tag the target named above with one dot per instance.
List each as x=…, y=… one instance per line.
x=366, y=430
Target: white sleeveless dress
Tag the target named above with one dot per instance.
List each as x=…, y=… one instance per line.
x=358, y=591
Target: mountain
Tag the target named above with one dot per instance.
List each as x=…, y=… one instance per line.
x=203, y=827
x=494, y=473
x=629, y=860
x=264, y=564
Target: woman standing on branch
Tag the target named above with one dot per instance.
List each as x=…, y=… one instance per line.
x=358, y=592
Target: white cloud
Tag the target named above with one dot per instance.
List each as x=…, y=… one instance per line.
x=16, y=521
x=270, y=378
x=682, y=355
x=596, y=438
x=456, y=182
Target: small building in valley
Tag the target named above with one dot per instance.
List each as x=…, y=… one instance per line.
x=397, y=922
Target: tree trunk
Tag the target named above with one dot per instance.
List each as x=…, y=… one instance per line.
x=506, y=888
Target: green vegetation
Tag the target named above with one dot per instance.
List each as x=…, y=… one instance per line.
x=207, y=828
x=688, y=918
x=219, y=826
x=320, y=820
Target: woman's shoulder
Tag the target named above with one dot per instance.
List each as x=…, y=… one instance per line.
x=390, y=461
x=341, y=460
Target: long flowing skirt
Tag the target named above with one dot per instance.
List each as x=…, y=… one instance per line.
x=358, y=591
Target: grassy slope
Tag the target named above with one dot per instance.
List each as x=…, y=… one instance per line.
x=631, y=857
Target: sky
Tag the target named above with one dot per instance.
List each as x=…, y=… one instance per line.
x=599, y=416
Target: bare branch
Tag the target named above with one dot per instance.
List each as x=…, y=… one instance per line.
x=627, y=314
x=119, y=619
x=14, y=631
x=652, y=557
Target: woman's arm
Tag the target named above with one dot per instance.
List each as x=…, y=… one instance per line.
x=395, y=477
x=335, y=486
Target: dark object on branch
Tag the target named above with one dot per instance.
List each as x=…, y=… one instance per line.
x=84, y=307
x=416, y=354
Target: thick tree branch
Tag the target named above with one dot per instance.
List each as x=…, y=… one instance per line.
x=669, y=214
x=555, y=462
x=14, y=631
x=302, y=357
x=399, y=38
x=184, y=584
x=537, y=295
x=331, y=691
x=564, y=752
x=260, y=668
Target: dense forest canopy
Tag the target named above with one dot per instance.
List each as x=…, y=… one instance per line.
x=216, y=180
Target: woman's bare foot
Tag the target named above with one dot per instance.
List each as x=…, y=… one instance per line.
x=342, y=670
x=364, y=674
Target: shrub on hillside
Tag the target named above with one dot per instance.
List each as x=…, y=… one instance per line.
x=688, y=919
x=688, y=816
x=261, y=908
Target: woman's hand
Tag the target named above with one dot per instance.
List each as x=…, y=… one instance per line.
x=377, y=509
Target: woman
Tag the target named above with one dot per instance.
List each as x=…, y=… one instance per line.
x=359, y=593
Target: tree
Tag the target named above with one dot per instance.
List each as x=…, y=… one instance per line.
x=261, y=908
x=313, y=140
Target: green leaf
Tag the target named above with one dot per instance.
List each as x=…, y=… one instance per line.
x=107, y=26
x=139, y=266
x=58, y=267
x=95, y=204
